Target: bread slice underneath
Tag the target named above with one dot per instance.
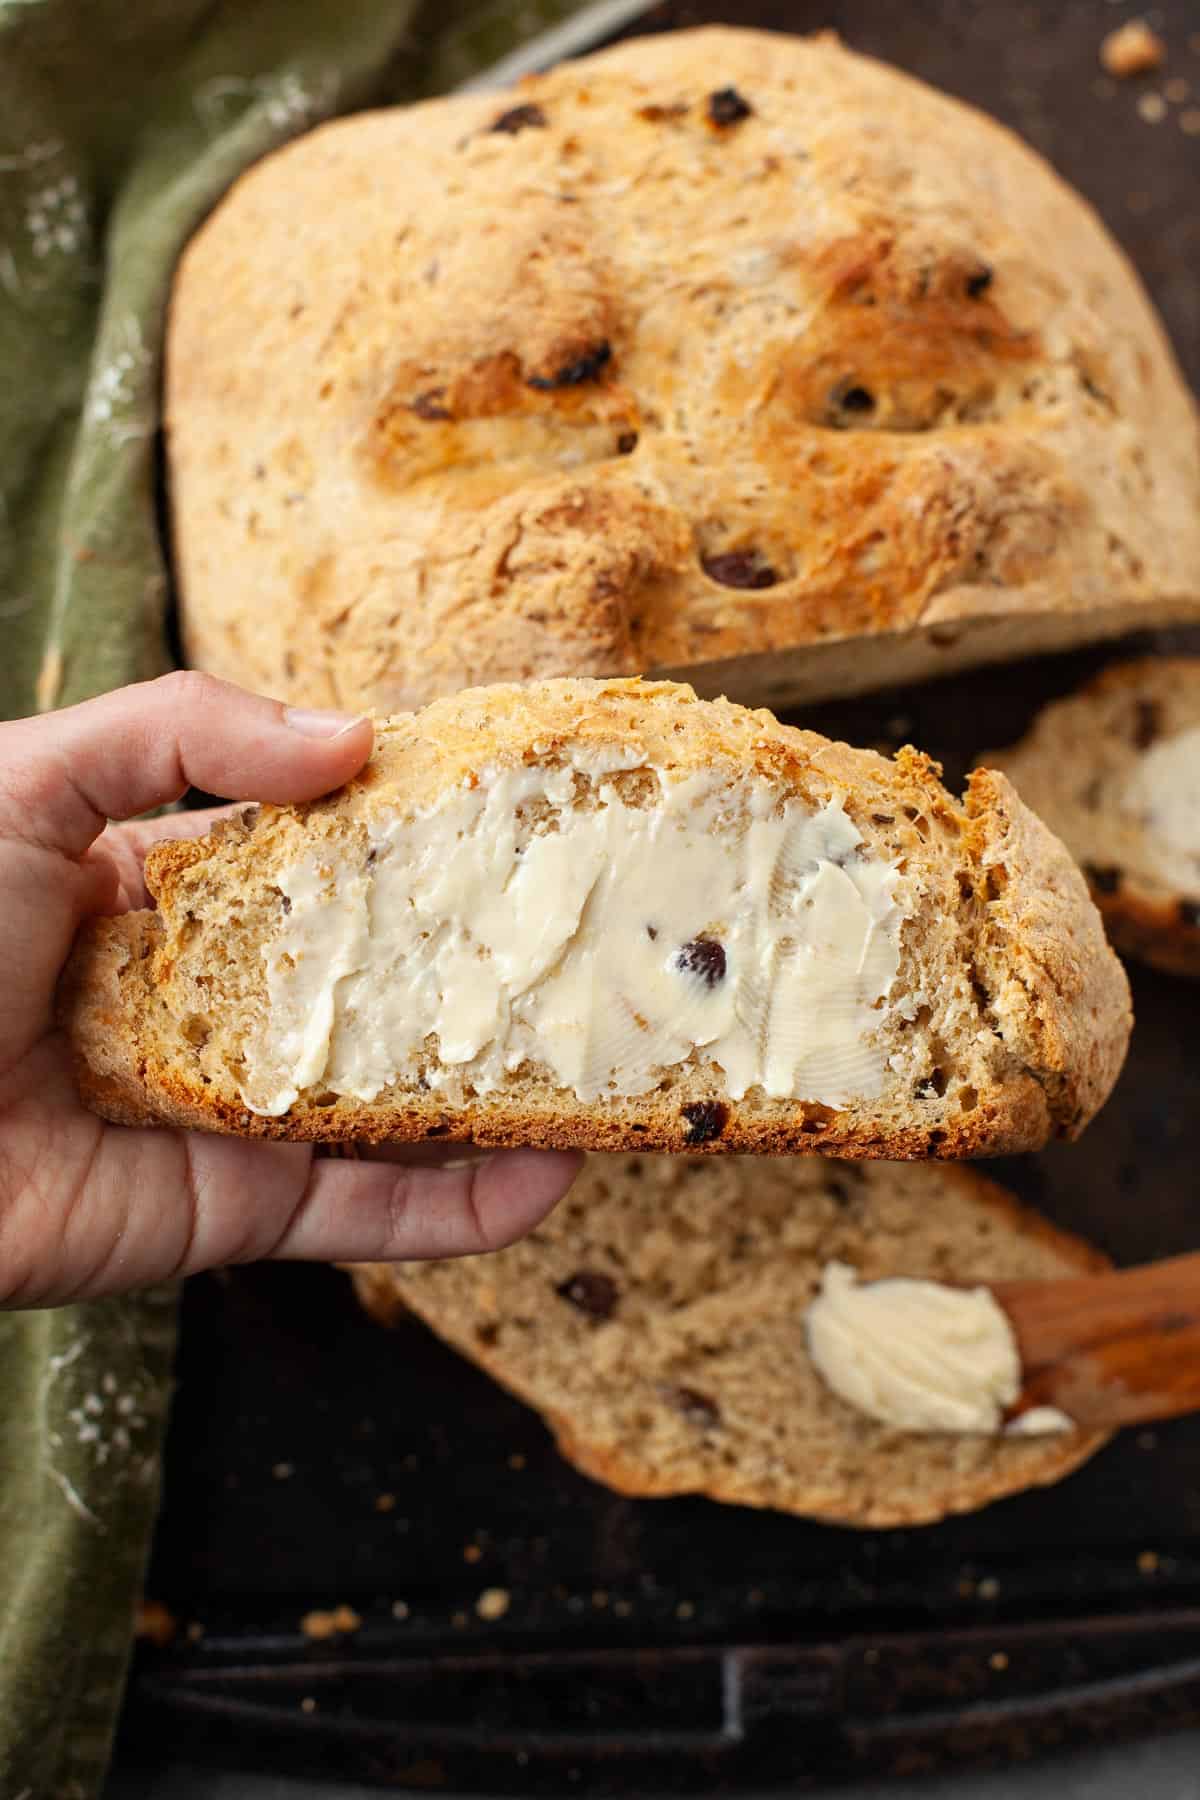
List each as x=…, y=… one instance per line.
x=978, y=1008
x=1114, y=769
x=656, y=1321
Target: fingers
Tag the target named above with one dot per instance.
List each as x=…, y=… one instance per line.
x=123, y=848
x=129, y=1208
x=140, y=835
x=63, y=775
x=247, y=1204
x=389, y=1212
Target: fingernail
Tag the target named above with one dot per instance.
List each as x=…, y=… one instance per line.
x=321, y=724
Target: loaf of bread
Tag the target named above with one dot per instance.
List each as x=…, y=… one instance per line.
x=1115, y=771
x=656, y=1320
x=718, y=353
x=612, y=915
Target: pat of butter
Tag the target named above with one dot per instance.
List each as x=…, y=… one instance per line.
x=599, y=922
x=920, y=1356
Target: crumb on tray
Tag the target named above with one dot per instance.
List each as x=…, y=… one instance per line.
x=493, y=1603
x=1132, y=49
x=322, y=1625
x=153, y=1621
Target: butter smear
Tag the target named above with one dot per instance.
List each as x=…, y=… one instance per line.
x=600, y=922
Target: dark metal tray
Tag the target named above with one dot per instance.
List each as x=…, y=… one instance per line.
x=672, y=1645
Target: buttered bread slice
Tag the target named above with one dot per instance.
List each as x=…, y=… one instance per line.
x=607, y=913
x=1115, y=770
x=657, y=1321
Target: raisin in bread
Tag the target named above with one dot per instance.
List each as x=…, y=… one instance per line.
x=656, y=1320
x=1115, y=770
x=719, y=353
x=610, y=914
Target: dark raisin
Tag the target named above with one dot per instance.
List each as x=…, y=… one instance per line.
x=429, y=405
x=518, y=118
x=1189, y=913
x=593, y=1293
x=286, y=904
x=704, y=1120
x=584, y=368
x=979, y=281
x=487, y=1334
x=372, y=858
x=697, y=1408
x=726, y=107
x=627, y=443
x=838, y=1192
x=883, y=818
x=1105, y=880
x=739, y=569
x=704, y=957
x=1147, y=723
x=652, y=932
x=850, y=397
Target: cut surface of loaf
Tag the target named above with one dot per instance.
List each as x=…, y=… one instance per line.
x=610, y=914
x=656, y=1320
x=1114, y=770
x=718, y=353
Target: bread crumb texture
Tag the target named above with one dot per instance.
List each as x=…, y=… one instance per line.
x=1006, y=1020
x=696, y=1378
x=1114, y=770
x=718, y=352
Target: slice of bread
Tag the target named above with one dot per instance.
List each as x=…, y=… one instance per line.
x=718, y=354
x=612, y=915
x=656, y=1320
x=1115, y=770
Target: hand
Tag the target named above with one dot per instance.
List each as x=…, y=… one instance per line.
x=88, y=1208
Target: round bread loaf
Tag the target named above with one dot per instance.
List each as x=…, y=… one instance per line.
x=718, y=352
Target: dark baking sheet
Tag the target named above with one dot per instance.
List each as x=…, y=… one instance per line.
x=671, y=1645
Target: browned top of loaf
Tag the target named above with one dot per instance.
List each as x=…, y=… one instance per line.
x=1024, y=994
x=656, y=1320
x=711, y=344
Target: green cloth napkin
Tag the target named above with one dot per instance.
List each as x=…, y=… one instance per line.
x=121, y=122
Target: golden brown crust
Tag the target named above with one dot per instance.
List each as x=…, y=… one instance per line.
x=847, y=390
x=1069, y=766
x=1163, y=933
x=1041, y=956
x=1051, y=1463
x=729, y=1327
x=1055, y=1003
